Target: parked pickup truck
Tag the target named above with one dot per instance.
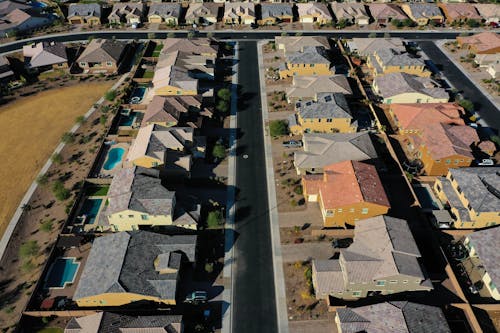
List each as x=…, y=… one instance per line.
x=292, y=144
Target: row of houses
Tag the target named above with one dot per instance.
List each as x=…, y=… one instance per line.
x=16, y=17
x=486, y=50
x=272, y=13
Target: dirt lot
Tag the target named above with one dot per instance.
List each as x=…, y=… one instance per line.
x=31, y=128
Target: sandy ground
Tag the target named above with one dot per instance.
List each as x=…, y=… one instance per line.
x=31, y=128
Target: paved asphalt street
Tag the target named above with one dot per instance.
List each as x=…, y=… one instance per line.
x=485, y=108
x=75, y=36
x=254, y=307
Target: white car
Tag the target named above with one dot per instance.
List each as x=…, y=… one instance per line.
x=485, y=162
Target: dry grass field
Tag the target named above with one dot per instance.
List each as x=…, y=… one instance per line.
x=30, y=130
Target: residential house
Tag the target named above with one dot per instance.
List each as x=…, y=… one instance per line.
x=490, y=12
x=137, y=266
x=102, y=56
x=321, y=150
x=22, y=20
x=239, y=13
x=137, y=198
x=350, y=12
x=494, y=70
x=293, y=44
x=6, y=73
x=328, y=113
x=314, y=12
x=482, y=43
x=198, y=46
x=459, y=12
x=442, y=146
x=485, y=60
x=84, y=13
x=308, y=87
x=482, y=263
x=384, y=13
x=273, y=13
x=164, y=13
x=45, y=55
x=406, y=88
x=203, y=13
x=127, y=12
x=366, y=46
x=347, y=192
x=171, y=111
x=411, y=118
x=398, y=316
x=109, y=322
x=383, y=259
x=169, y=148
x=471, y=194
x=392, y=61
x=8, y=6
x=312, y=60
x=423, y=13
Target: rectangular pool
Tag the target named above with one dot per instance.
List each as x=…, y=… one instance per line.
x=137, y=95
x=425, y=198
x=90, y=209
x=61, y=272
x=127, y=120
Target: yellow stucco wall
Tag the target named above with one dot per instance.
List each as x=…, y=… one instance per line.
x=412, y=98
x=128, y=220
x=439, y=167
x=414, y=70
x=305, y=70
x=173, y=91
x=349, y=214
x=340, y=125
x=154, y=19
x=147, y=162
x=117, y=299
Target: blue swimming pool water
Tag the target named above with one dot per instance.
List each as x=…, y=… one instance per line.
x=62, y=271
x=90, y=208
x=127, y=120
x=425, y=198
x=115, y=156
x=138, y=93
x=37, y=4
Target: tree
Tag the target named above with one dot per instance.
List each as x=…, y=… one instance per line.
x=408, y=23
x=151, y=35
x=219, y=151
x=472, y=23
x=222, y=106
x=495, y=139
x=466, y=104
x=68, y=137
x=56, y=158
x=29, y=249
x=278, y=128
x=60, y=192
x=342, y=23
x=215, y=219
x=80, y=120
x=47, y=226
x=103, y=119
x=224, y=94
x=372, y=35
x=42, y=180
x=190, y=35
x=397, y=23
x=110, y=95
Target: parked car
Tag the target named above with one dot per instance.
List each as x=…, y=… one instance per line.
x=197, y=297
x=292, y=144
x=485, y=162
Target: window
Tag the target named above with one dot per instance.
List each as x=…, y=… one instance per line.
x=131, y=216
x=393, y=281
x=364, y=211
x=339, y=210
x=380, y=283
x=178, y=92
x=109, y=63
x=356, y=293
x=319, y=120
x=447, y=161
x=312, y=65
x=438, y=161
x=328, y=213
x=405, y=281
x=154, y=164
x=144, y=217
x=438, y=187
x=351, y=210
x=83, y=64
x=329, y=120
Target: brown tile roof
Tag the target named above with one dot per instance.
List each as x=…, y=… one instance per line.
x=483, y=41
x=358, y=181
x=418, y=115
x=455, y=11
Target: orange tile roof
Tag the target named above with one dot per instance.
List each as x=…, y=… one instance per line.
x=417, y=115
x=483, y=41
x=347, y=183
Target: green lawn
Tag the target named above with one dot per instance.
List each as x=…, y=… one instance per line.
x=51, y=330
x=148, y=74
x=98, y=190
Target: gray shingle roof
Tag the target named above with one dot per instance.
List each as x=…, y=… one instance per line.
x=393, y=317
x=124, y=262
x=309, y=55
x=399, y=83
x=84, y=9
x=101, y=50
x=327, y=105
x=322, y=149
x=165, y=10
x=276, y=10
x=485, y=242
x=391, y=57
x=424, y=10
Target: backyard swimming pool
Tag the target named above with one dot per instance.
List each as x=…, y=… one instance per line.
x=62, y=272
x=115, y=156
x=137, y=95
x=90, y=209
x=127, y=120
x=425, y=198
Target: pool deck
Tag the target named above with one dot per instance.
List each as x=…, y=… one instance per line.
x=81, y=254
x=118, y=166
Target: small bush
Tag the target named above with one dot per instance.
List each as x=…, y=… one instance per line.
x=219, y=151
x=293, y=203
x=56, y=158
x=278, y=128
x=215, y=219
x=110, y=95
x=47, y=226
x=68, y=137
x=42, y=180
x=222, y=106
x=80, y=119
x=29, y=249
x=103, y=119
x=209, y=267
x=466, y=104
x=45, y=320
x=10, y=309
x=224, y=94
x=28, y=266
x=60, y=192
x=298, y=190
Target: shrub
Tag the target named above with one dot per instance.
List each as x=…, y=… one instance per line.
x=110, y=95
x=224, y=94
x=10, y=309
x=28, y=266
x=47, y=226
x=466, y=104
x=219, y=151
x=68, y=137
x=29, y=249
x=60, y=192
x=80, y=119
x=215, y=219
x=222, y=106
x=209, y=267
x=103, y=119
x=495, y=139
x=293, y=203
x=42, y=180
x=45, y=320
x=278, y=128
x=372, y=35
x=171, y=34
x=56, y=158
x=298, y=190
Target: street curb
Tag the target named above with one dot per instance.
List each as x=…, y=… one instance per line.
x=227, y=295
x=29, y=193
x=279, y=278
